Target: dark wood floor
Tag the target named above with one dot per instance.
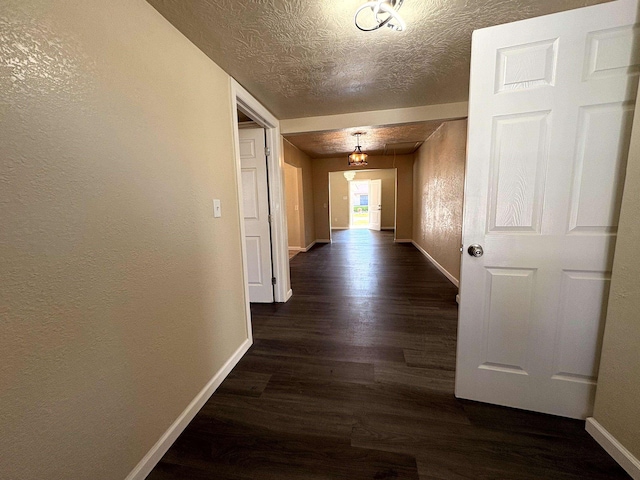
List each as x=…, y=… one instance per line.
x=353, y=379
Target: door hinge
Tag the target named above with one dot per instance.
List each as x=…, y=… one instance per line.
x=269, y=219
x=267, y=151
x=273, y=280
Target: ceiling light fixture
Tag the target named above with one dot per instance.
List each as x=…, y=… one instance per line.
x=350, y=175
x=385, y=12
x=358, y=158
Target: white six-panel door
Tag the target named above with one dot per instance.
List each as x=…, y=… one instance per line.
x=256, y=214
x=551, y=105
x=375, y=204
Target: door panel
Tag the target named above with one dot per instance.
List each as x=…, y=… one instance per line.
x=611, y=53
x=509, y=294
x=255, y=200
x=550, y=111
x=375, y=204
x=254, y=254
x=250, y=193
x=527, y=66
x=581, y=325
x=604, y=132
x=518, y=163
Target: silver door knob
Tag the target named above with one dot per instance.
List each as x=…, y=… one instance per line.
x=475, y=250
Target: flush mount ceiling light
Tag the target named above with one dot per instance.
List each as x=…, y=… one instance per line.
x=358, y=158
x=377, y=14
x=349, y=175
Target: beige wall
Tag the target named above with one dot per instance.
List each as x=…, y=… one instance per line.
x=297, y=158
x=339, y=188
x=404, y=166
x=617, y=407
x=338, y=200
x=438, y=179
x=121, y=295
x=291, y=189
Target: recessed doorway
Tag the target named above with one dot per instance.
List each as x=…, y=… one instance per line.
x=363, y=199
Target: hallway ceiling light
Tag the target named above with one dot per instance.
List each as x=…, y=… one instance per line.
x=383, y=12
x=358, y=157
x=349, y=175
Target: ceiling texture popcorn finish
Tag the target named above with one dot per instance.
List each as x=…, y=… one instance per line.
x=385, y=140
x=305, y=58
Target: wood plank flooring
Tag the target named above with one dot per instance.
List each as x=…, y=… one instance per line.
x=353, y=379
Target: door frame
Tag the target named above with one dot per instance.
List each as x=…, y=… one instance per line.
x=242, y=100
x=395, y=210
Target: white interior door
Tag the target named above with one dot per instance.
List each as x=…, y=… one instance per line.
x=550, y=117
x=375, y=204
x=256, y=214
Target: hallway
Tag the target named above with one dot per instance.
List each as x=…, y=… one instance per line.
x=353, y=378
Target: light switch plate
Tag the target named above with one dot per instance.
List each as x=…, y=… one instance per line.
x=217, y=212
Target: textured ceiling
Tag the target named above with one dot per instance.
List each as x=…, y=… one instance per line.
x=305, y=57
x=398, y=139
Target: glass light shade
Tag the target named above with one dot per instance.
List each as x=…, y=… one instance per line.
x=349, y=175
x=358, y=158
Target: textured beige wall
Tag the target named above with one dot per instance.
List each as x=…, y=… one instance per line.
x=291, y=190
x=404, y=166
x=297, y=158
x=121, y=296
x=338, y=200
x=617, y=407
x=339, y=188
x=438, y=179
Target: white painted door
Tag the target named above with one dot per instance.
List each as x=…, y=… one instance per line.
x=375, y=204
x=256, y=214
x=549, y=123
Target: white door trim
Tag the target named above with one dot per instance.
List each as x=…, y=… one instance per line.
x=242, y=100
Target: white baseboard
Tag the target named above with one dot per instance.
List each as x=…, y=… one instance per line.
x=151, y=459
x=323, y=240
x=308, y=247
x=451, y=278
x=288, y=295
x=339, y=228
x=614, y=448
x=403, y=240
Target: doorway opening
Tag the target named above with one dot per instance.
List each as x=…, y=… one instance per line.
x=363, y=199
x=258, y=234
x=245, y=103
x=293, y=185
x=359, y=204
